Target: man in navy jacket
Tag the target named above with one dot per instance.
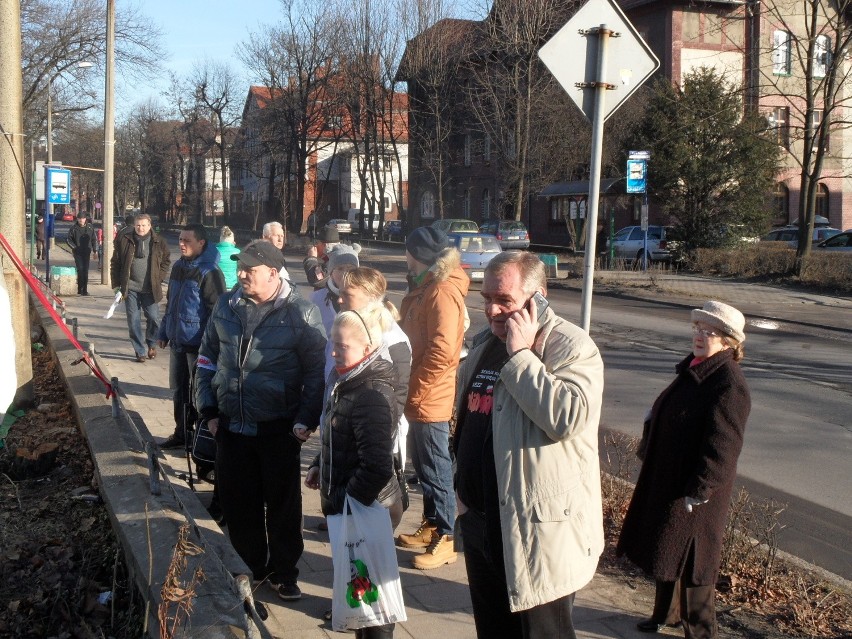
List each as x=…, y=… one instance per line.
x=195, y=284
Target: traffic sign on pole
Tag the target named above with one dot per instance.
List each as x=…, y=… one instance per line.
x=597, y=50
x=571, y=56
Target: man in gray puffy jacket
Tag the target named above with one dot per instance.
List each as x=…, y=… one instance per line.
x=260, y=386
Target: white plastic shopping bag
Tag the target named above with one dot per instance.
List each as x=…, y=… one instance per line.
x=367, y=591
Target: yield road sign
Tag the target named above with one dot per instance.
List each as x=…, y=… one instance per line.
x=572, y=56
x=58, y=186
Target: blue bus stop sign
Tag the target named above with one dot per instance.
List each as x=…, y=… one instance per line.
x=58, y=182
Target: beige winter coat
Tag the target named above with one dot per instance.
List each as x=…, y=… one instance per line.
x=547, y=405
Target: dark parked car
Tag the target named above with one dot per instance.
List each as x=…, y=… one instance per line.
x=476, y=251
x=393, y=230
x=837, y=242
x=510, y=234
x=790, y=234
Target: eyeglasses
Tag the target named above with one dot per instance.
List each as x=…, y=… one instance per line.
x=706, y=332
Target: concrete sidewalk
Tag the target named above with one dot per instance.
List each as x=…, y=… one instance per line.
x=437, y=601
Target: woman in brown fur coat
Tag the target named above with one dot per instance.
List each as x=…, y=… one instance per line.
x=675, y=523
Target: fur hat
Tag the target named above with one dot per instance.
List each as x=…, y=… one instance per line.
x=426, y=243
x=723, y=317
x=343, y=255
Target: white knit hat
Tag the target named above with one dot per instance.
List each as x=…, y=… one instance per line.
x=722, y=316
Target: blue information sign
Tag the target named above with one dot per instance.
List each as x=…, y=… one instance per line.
x=637, y=172
x=58, y=183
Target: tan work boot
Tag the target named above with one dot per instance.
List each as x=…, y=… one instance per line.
x=439, y=552
x=421, y=537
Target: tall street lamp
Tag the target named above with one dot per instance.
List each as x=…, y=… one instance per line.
x=48, y=219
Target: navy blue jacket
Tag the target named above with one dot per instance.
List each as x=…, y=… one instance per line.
x=194, y=287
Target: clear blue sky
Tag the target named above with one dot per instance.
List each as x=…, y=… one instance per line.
x=195, y=29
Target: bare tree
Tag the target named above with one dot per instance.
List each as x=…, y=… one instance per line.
x=431, y=64
x=216, y=88
x=294, y=60
x=807, y=68
x=509, y=86
x=59, y=34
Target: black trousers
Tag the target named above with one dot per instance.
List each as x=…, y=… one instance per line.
x=486, y=575
x=261, y=498
x=181, y=366
x=692, y=605
x=81, y=262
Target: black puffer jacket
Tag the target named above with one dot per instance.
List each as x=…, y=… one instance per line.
x=358, y=431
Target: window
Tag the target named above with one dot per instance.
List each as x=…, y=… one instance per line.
x=486, y=204
x=427, y=205
x=466, y=204
x=816, y=120
x=781, y=53
x=486, y=148
x=781, y=202
x=691, y=27
x=335, y=122
x=555, y=210
x=467, y=149
x=779, y=120
x=822, y=55
x=822, y=200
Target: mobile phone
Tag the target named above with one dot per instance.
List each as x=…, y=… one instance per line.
x=540, y=302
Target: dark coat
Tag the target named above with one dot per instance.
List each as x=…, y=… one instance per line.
x=82, y=239
x=158, y=262
x=694, y=437
x=359, y=427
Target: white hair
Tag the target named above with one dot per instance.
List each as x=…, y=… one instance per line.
x=271, y=227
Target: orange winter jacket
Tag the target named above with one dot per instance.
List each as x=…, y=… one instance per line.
x=433, y=318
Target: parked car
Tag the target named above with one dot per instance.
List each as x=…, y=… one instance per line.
x=837, y=242
x=477, y=249
x=509, y=233
x=629, y=241
x=343, y=227
x=393, y=230
x=354, y=219
x=456, y=225
x=790, y=234
x=68, y=216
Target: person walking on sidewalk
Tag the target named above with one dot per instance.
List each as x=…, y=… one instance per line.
x=83, y=243
x=260, y=387
x=693, y=434
x=526, y=443
x=39, y=237
x=139, y=266
x=432, y=315
x=195, y=284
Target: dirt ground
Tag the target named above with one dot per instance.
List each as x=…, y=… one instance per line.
x=61, y=570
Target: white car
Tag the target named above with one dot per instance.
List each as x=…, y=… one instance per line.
x=629, y=242
x=343, y=227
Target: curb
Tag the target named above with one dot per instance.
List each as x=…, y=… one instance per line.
x=147, y=525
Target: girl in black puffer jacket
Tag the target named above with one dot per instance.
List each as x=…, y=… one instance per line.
x=360, y=420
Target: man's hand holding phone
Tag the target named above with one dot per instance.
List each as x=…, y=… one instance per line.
x=522, y=325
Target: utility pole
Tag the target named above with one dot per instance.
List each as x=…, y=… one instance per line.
x=12, y=191
x=109, y=141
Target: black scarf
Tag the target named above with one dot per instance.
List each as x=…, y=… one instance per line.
x=140, y=244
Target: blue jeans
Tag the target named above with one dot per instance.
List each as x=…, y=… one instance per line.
x=430, y=454
x=134, y=305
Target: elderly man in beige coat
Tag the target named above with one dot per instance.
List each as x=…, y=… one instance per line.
x=526, y=443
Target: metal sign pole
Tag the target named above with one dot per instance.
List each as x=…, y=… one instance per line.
x=600, y=87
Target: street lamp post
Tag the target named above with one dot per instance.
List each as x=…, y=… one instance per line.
x=48, y=208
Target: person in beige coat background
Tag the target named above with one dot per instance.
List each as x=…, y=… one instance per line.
x=528, y=478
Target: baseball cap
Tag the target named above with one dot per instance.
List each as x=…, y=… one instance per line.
x=260, y=252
